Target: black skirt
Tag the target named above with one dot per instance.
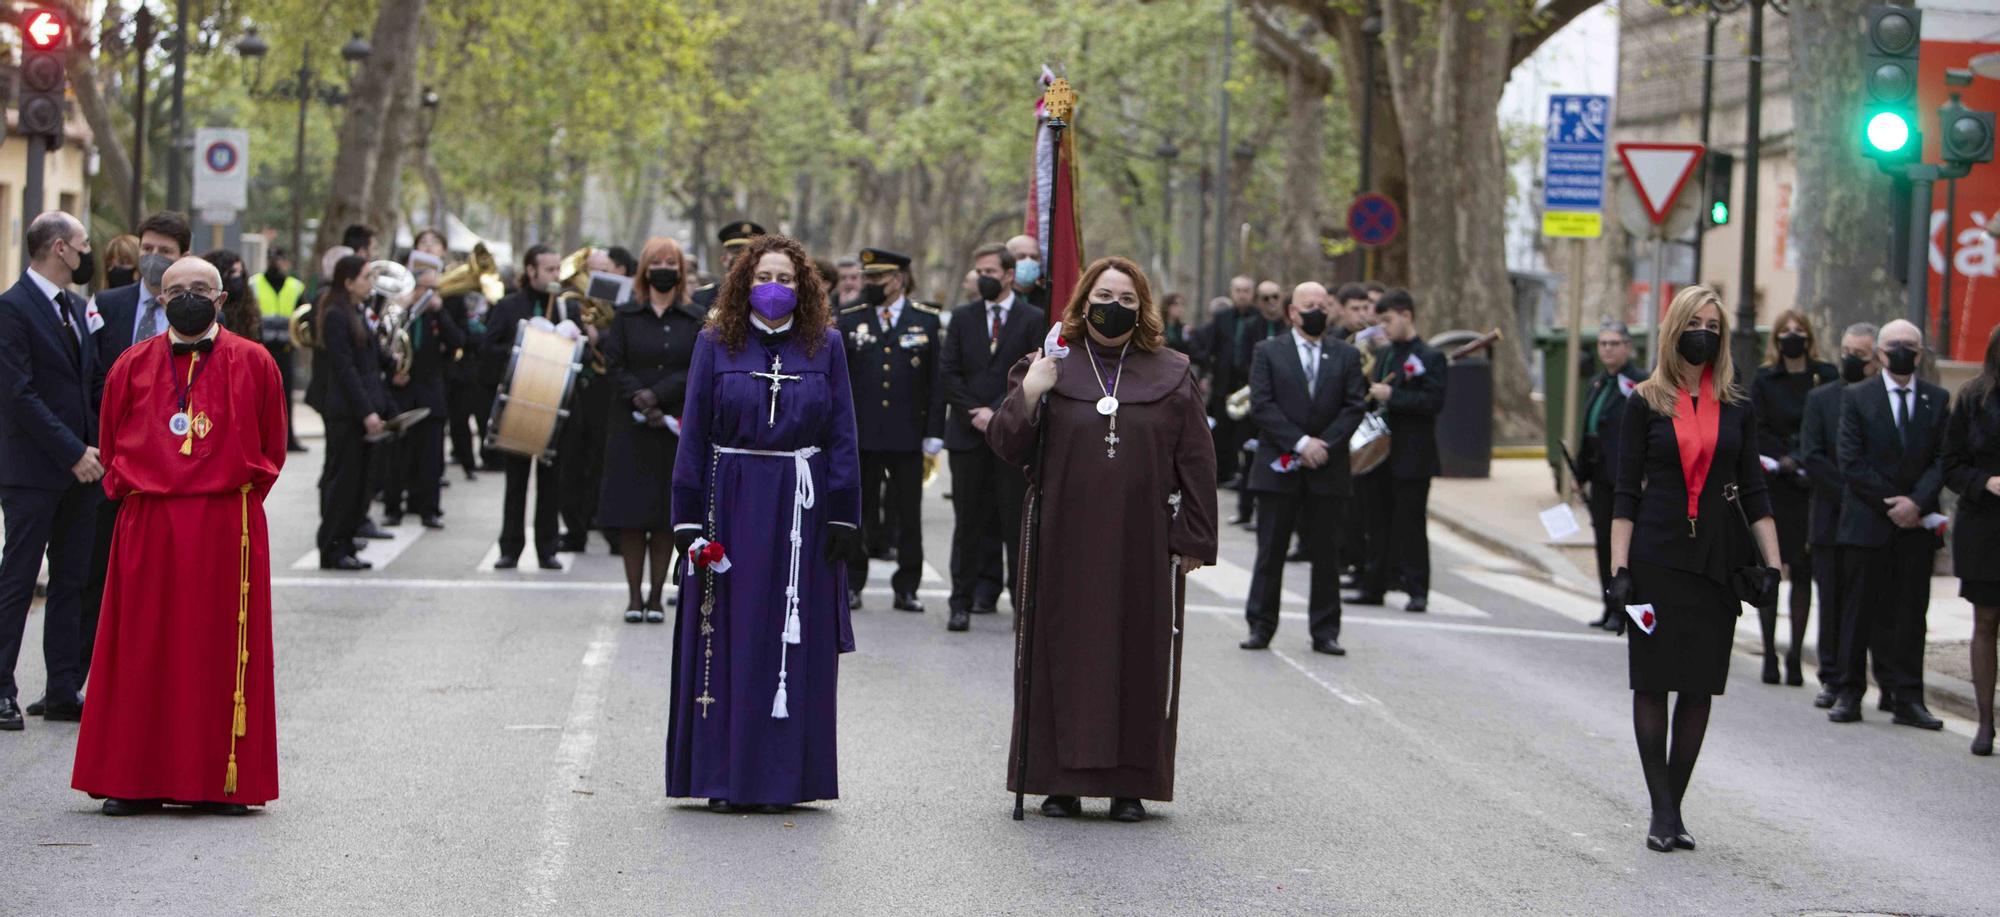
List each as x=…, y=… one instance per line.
x=638, y=485
x=1982, y=592
x=1791, y=507
x=1689, y=647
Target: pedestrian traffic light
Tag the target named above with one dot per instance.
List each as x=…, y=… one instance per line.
x=1721, y=172
x=1964, y=136
x=1890, y=43
x=43, y=33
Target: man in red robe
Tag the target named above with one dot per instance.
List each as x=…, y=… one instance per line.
x=181, y=697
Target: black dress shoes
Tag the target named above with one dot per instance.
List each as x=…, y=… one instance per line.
x=433, y=522
x=222, y=808
x=1846, y=708
x=1827, y=695
x=1982, y=741
x=36, y=708
x=908, y=602
x=722, y=806
x=1257, y=640
x=573, y=544
x=1659, y=844
x=392, y=520
x=1329, y=646
x=1062, y=807
x=1908, y=713
x=346, y=562
x=10, y=716
x=550, y=562
x=960, y=620
x=507, y=562
x=60, y=712
x=369, y=529
x=986, y=608
x=1418, y=603
x=1771, y=676
x=1127, y=810
x=1616, y=625
x=295, y=446
x=121, y=807
x=1298, y=556
x=1362, y=598
x=470, y=474
x=854, y=600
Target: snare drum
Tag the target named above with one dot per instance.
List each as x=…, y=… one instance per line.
x=1369, y=446
x=530, y=407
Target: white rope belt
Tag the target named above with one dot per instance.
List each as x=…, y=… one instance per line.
x=802, y=500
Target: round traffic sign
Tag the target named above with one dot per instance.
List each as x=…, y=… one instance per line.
x=221, y=156
x=1374, y=220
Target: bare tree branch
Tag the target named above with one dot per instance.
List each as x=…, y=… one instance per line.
x=1544, y=23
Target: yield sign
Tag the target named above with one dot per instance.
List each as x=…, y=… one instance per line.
x=1659, y=171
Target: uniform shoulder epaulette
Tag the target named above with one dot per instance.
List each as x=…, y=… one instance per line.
x=926, y=308
x=850, y=310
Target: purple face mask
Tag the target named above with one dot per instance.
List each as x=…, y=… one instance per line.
x=773, y=301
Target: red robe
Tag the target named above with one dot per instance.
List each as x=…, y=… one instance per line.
x=186, y=619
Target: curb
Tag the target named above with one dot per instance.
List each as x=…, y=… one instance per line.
x=1942, y=692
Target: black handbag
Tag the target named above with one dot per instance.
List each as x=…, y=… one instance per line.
x=1754, y=584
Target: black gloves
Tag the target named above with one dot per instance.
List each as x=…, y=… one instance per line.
x=843, y=543
x=1756, y=585
x=683, y=538
x=1619, y=590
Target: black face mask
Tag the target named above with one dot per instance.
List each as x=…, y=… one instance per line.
x=873, y=294
x=990, y=288
x=1852, y=368
x=86, y=267
x=190, y=314
x=1900, y=360
x=1111, y=319
x=119, y=276
x=1792, y=346
x=1313, y=323
x=663, y=279
x=235, y=287
x=1698, y=346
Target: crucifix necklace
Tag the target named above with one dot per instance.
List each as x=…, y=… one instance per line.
x=778, y=380
x=1108, y=405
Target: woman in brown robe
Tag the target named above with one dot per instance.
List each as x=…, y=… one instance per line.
x=1126, y=482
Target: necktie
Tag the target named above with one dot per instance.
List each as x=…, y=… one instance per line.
x=69, y=327
x=1311, y=361
x=993, y=332
x=205, y=345
x=149, y=323
x=885, y=318
x=1903, y=416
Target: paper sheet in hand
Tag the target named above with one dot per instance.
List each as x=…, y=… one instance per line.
x=1642, y=615
x=1559, y=522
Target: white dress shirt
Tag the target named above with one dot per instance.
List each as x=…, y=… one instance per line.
x=1896, y=402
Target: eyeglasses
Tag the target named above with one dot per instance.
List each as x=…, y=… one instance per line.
x=199, y=289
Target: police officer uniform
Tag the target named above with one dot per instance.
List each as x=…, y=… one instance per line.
x=733, y=236
x=893, y=360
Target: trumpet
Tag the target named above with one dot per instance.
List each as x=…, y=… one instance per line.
x=575, y=279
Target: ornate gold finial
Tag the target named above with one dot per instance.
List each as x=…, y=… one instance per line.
x=1060, y=100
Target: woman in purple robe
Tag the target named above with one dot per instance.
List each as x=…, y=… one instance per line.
x=766, y=506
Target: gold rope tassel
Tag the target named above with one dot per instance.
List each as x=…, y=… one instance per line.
x=237, y=728
x=187, y=442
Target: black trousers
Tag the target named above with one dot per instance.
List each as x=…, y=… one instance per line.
x=343, y=488
x=986, y=527
x=1399, y=542
x=1828, y=581
x=1887, y=598
x=468, y=403
x=282, y=354
x=1318, y=518
x=60, y=524
x=581, y=457
x=1228, y=435
x=548, y=491
x=1602, y=497
x=414, y=482
x=93, y=586
x=893, y=489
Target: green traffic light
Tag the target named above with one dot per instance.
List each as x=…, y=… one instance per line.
x=1718, y=213
x=1888, y=132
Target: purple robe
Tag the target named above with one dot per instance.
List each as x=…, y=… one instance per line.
x=737, y=748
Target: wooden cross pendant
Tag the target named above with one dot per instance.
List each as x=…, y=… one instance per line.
x=778, y=379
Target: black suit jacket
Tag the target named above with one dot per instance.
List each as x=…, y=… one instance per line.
x=1414, y=402
x=347, y=368
x=1971, y=457
x=973, y=369
x=48, y=398
x=118, y=307
x=1653, y=493
x=496, y=350
x=1230, y=356
x=1283, y=413
x=1877, y=463
x=898, y=402
x=435, y=339
x=1597, y=456
x=1819, y=451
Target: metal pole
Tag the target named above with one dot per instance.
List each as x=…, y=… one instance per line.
x=300, y=261
x=1659, y=290
x=142, y=42
x=1571, y=382
x=1746, y=303
x=1222, y=145
x=1919, y=286
x=1368, y=117
x=1707, y=115
x=31, y=189
x=1944, y=287
x=176, y=156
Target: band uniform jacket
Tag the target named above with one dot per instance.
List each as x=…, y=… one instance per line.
x=1876, y=462
x=503, y=320
x=1415, y=399
x=347, y=381
x=435, y=340
x=973, y=366
x=1597, y=455
x=898, y=402
x=1284, y=413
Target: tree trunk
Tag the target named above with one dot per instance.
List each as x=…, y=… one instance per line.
x=1842, y=213
x=1294, y=243
x=399, y=129
x=576, y=182
x=369, y=99
x=1447, y=69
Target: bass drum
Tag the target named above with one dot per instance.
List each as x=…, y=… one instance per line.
x=1368, y=448
x=530, y=407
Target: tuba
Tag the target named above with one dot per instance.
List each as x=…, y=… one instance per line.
x=477, y=274
x=300, y=325
x=392, y=286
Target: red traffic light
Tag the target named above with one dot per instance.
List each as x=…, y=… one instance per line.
x=43, y=29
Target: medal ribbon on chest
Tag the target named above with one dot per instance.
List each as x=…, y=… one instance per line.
x=183, y=424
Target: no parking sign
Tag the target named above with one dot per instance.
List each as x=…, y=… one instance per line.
x=221, y=169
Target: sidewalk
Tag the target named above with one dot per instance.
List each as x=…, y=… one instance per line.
x=1503, y=513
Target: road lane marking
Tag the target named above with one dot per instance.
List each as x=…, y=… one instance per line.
x=352, y=581
x=378, y=551
x=1570, y=605
x=1330, y=687
x=880, y=571
x=574, y=756
x=528, y=563
x=1228, y=579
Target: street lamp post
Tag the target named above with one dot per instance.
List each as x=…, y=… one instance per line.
x=305, y=86
x=1167, y=152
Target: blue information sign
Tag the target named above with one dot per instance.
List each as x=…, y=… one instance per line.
x=1573, y=154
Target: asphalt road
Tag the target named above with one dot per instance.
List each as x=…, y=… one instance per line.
x=457, y=741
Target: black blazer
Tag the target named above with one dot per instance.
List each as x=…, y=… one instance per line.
x=118, y=307
x=347, y=379
x=973, y=374
x=1971, y=457
x=643, y=350
x=1819, y=451
x=898, y=402
x=1876, y=463
x=1779, y=398
x=1653, y=493
x=435, y=339
x=1283, y=413
x=1597, y=456
x=1230, y=357
x=48, y=399
x=1414, y=403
